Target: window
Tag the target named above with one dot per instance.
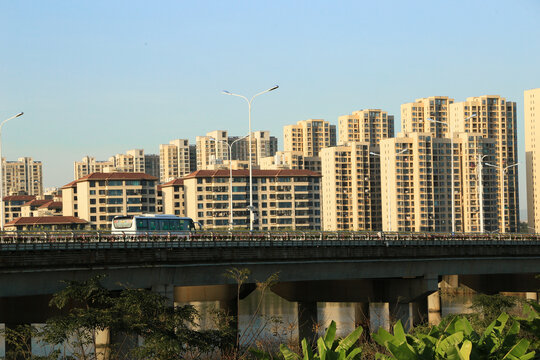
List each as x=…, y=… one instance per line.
x=114, y=183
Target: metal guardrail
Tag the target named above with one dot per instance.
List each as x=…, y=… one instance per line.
x=65, y=240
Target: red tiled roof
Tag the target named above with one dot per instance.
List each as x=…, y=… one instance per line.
x=49, y=220
x=36, y=202
x=256, y=173
x=174, y=182
x=71, y=184
x=52, y=205
x=19, y=197
x=111, y=176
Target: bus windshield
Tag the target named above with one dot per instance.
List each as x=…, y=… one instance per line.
x=122, y=223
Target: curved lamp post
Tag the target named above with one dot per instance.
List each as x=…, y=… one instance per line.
x=1, y=172
x=250, y=208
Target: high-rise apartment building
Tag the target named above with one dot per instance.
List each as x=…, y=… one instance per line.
x=532, y=156
x=495, y=118
x=174, y=159
x=24, y=176
x=212, y=148
x=371, y=125
x=351, y=188
x=151, y=165
x=417, y=116
x=89, y=165
x=99, y=197
x=416, y=183
x=309, y=136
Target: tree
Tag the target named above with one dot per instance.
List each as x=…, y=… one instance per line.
x=168, y=332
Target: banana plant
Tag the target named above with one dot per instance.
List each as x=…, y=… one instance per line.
x=457, y=341
x=328, y=348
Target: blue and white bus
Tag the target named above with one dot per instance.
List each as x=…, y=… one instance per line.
x=154, y=224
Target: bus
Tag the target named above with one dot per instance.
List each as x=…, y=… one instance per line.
x=154, y=224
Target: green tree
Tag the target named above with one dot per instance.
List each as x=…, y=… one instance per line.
x=167, y=332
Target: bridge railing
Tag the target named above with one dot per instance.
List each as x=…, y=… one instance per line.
x=8, y=239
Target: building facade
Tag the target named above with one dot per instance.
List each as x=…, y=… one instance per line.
x=283, y=199
x=370, y=126
x=174, y=159
x=532, y=156
x=309, y=136
x=22, y=177
x=351, y=188
x=494, y=117
x=99, y=197
x=418, y=115
x=173, y=197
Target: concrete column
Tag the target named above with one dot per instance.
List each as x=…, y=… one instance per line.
x=434, y=308
x=361, y=316
x=531, y=296
x=451, y=280
x=402, y=311
x=102, y=344
x=307, y=321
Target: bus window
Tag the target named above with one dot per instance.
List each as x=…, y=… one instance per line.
x=142, y=224
x=183, y=225
x=122, y=223
x=174, y=225
x=152, y=225
x=164, y=224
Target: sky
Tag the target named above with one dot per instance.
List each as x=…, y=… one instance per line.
x=101, y=77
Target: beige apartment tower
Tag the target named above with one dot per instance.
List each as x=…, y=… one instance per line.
x=174, y=160
x=370, y=126
x=309, y=136
x=418, y=115
x=351, y=188
x=532, y=157
x=22, y=177
x=493, y=117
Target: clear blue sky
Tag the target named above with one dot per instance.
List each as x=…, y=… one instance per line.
x=101, y=77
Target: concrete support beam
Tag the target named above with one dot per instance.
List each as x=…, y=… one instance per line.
x=495, y=283
x=360, y=290
x=185, y=294
x=165, y=290
x=307, y=321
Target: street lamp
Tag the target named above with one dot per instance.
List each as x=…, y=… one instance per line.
x=230, y=176
x=502, y=173
x=481, y=191
x=250, y=208
x=1, y=172
x=388, y=183
x=451, y=131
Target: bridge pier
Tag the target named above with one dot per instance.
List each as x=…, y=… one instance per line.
x=307, y=321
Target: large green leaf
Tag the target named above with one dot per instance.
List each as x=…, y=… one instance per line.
x=287, y=353
x=321, y=347
x=354, y=354
x=382, y=336
x=492, y=337
x=446, y=344
x=466, y=349
x=350, y=340
x=402, y=352
x=399, y=332
x=306, y=350
x=518, y=350
x=330, y=335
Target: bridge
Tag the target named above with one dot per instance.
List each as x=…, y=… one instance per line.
x=403, y=270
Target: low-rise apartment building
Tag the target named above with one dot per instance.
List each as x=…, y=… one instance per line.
x=173, y=197
x=283, y=199
x=99, y=197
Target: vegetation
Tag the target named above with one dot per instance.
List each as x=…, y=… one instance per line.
x=139, y=324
